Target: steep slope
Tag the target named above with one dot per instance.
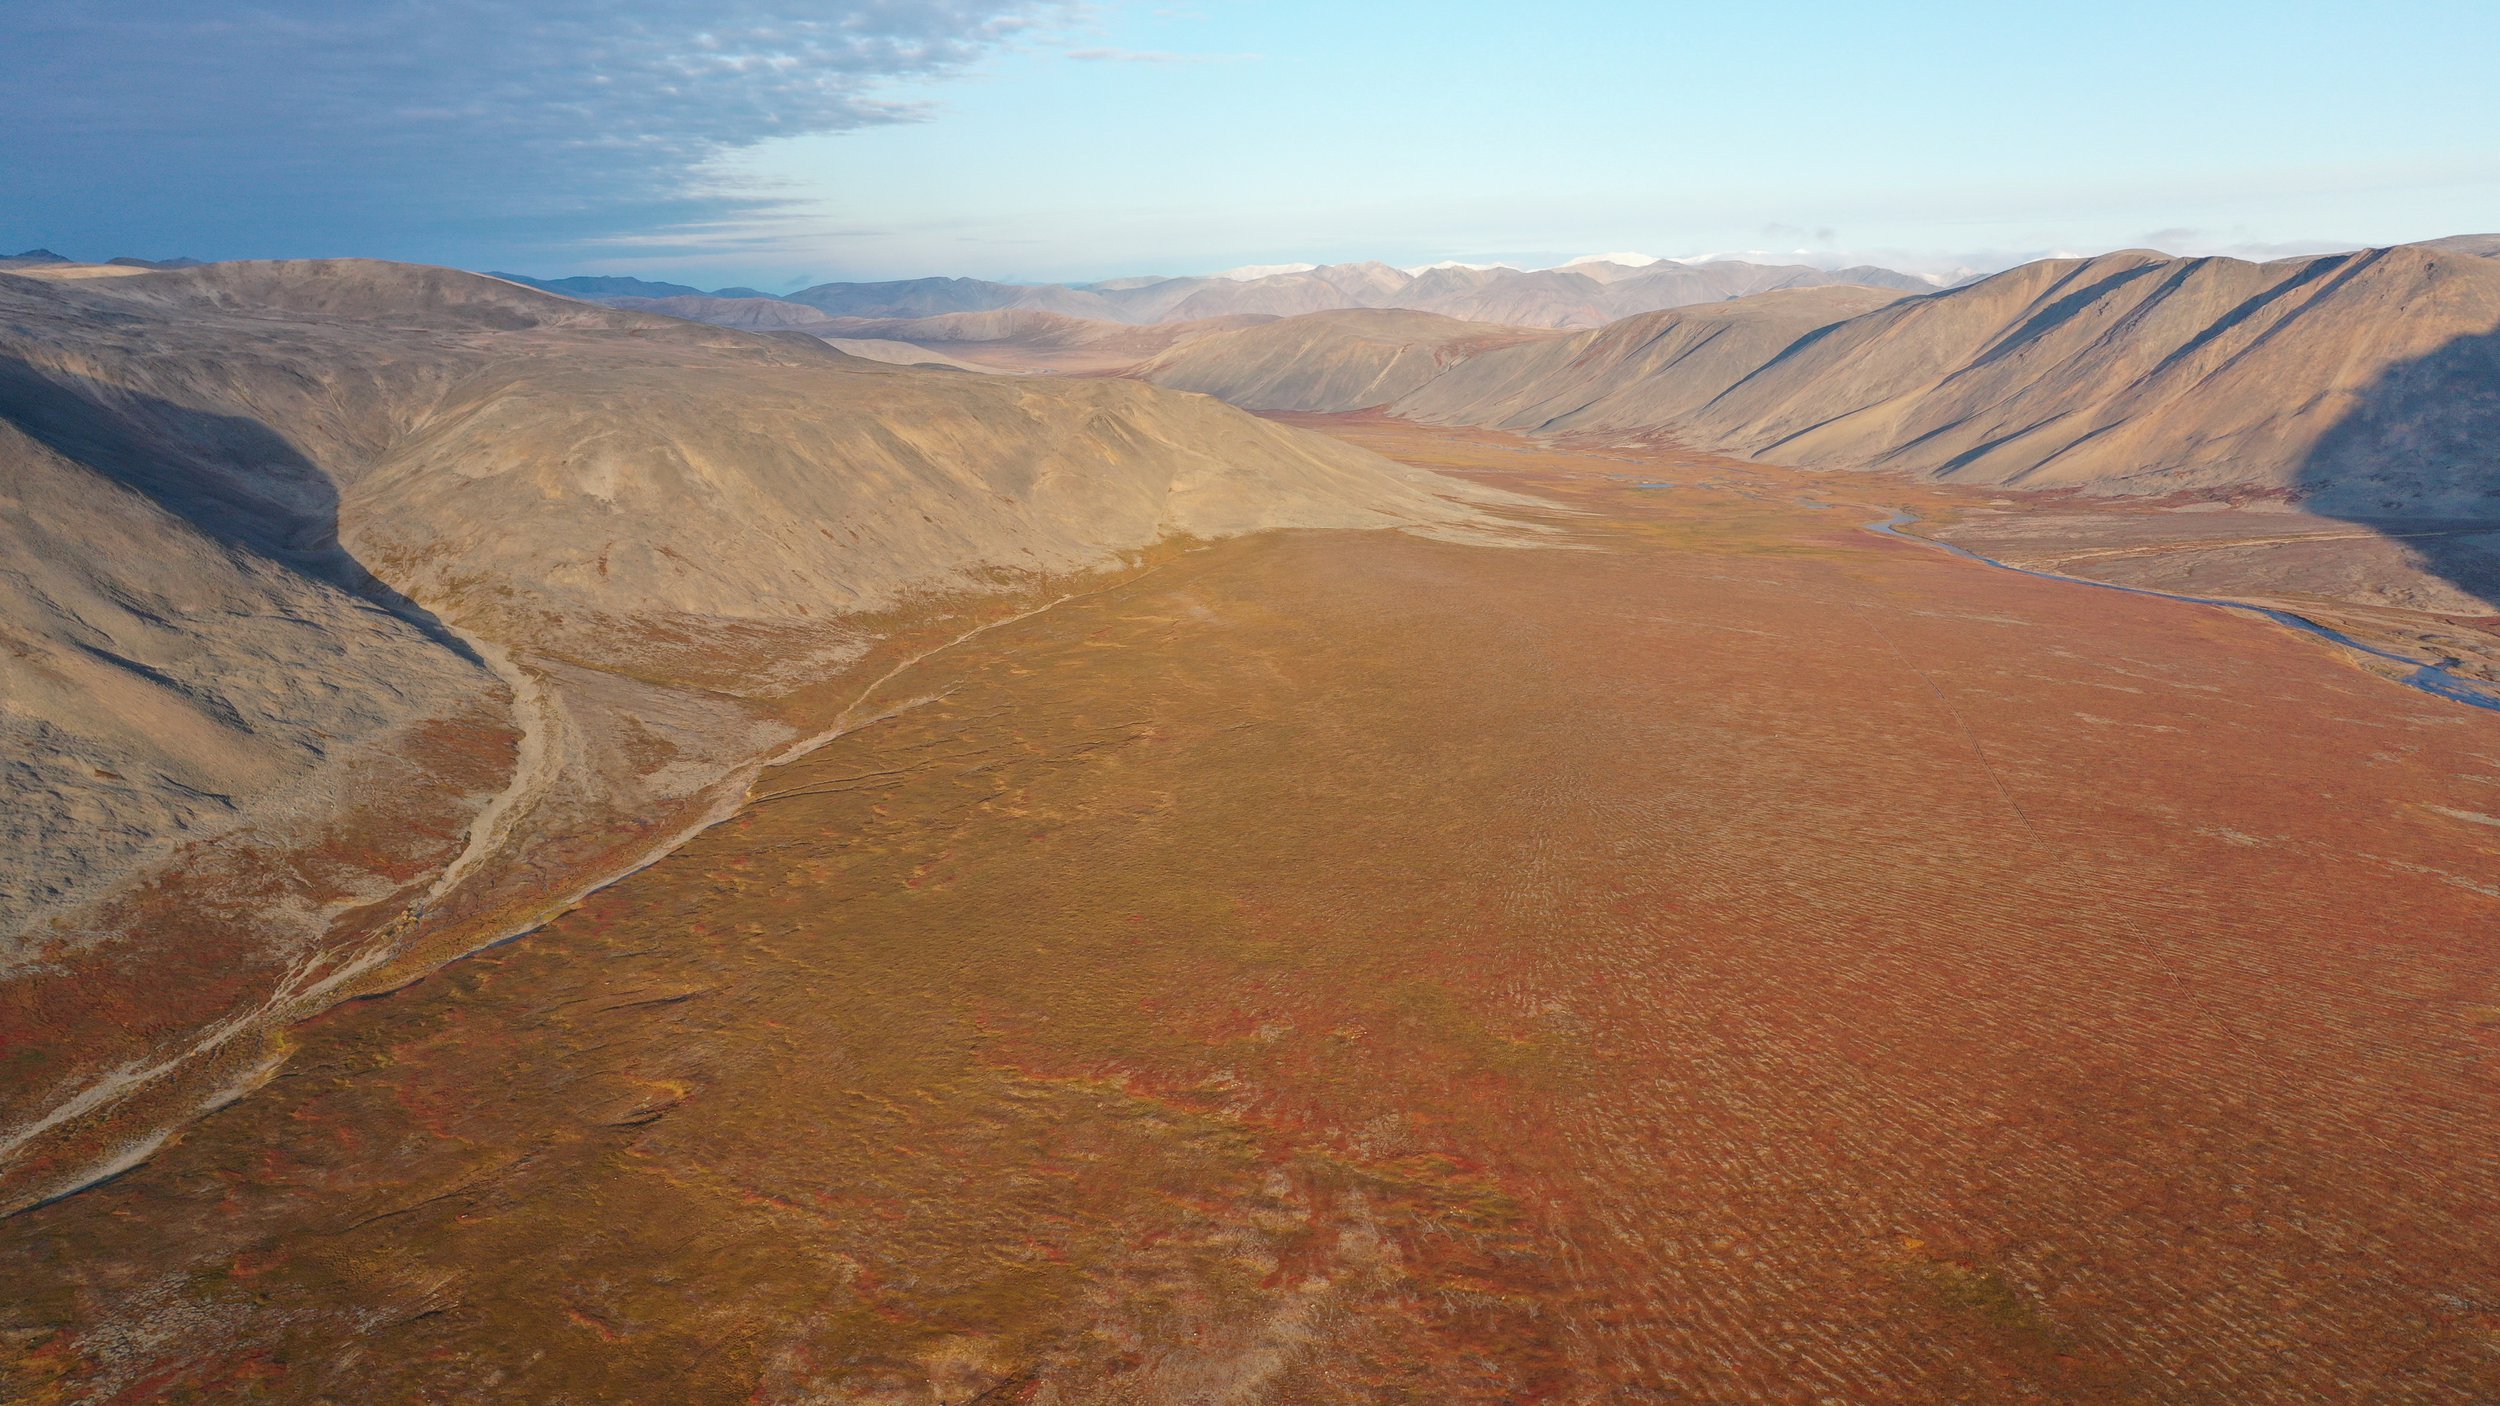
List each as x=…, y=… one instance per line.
x=166, y=677
x=2365, y=384
x=465, y=596
x=1636, y=373
x=1328, y=361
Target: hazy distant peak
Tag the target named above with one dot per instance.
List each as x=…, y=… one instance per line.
x=1248, y=273
x=1421, y=269
x=1630, y=261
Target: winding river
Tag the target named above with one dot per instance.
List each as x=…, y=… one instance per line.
x=2440, y=680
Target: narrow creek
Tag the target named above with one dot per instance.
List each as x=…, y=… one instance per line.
x=2439, y=680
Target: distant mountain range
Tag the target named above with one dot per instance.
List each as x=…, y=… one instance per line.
x=1584, y=293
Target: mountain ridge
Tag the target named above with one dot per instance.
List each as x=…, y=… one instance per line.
x=2366, y=382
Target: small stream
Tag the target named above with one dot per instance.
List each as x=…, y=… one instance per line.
x=2439, y=680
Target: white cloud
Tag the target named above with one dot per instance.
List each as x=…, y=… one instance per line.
x=555, y=120
x=1630, y=261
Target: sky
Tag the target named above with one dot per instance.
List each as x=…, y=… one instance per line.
x=777, y=144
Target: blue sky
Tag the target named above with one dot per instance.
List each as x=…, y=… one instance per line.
x=778, y=144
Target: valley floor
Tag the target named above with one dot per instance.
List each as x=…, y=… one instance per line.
x=1723, y=956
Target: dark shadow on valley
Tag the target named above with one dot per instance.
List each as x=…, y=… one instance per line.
x=2420, y=453
x=232, y=478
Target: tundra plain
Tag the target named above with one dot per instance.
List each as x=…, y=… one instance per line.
x=1708, y=953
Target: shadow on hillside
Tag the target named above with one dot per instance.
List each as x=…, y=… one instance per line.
x=2420, y=454
x=232, y=478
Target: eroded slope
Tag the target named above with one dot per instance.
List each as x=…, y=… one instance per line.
x=1328, y=361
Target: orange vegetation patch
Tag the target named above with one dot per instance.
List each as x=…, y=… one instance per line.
x=1745, y=960
x=170, y=988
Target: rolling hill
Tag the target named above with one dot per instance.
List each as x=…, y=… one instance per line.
x=457, y=595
